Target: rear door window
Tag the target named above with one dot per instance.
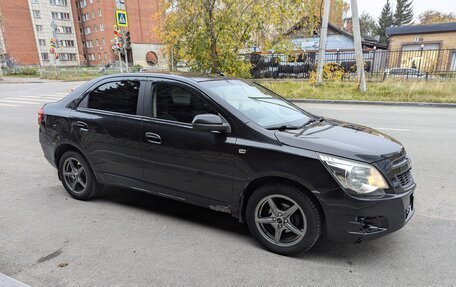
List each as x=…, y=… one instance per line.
x=118, y=96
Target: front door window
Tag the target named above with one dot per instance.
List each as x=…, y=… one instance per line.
x=178, y=104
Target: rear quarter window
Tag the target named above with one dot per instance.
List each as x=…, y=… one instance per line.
x=118, y=96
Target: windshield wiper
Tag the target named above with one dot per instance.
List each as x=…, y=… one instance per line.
x=313, y=120
x=291, y=127
x=283, y=127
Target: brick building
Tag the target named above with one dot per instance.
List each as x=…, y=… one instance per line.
x=95, y=21
x=28, y=27
x=84, y=29
x=433, y=47
x=16, y=33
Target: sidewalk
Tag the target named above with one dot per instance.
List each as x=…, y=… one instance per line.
x=17, y=80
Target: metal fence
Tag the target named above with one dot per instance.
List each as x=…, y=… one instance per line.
x=64, y=71
x=379, y=64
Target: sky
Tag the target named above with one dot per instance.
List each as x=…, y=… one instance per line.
x=374, y=7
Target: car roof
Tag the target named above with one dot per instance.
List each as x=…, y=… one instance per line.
x=186, y=76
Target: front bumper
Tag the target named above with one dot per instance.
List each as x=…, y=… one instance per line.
x=354, y=219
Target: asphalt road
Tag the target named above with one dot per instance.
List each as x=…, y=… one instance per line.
x=128, y=238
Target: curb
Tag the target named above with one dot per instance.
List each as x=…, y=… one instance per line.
x=4, y=82
x=375, y=103
x=12, y=80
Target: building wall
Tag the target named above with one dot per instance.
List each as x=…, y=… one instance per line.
x=142, y=18
x=334, y=42
x=2, y=43
x=18, y=32
x=139, y=52
x=68, y=55
x=437, y=60
x=29, y=45
x=447, y=40
x=95, y=31
x=22, y=39
x=77, y=33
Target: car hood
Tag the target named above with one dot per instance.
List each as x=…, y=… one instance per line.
x=342, y=139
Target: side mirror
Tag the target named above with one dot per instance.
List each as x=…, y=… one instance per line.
x=210, y=123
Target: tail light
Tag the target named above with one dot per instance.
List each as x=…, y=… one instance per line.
x=40, y=115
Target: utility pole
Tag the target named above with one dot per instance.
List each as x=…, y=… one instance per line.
x=1, y=58
x=323, y=36
x=120, y=61
x=358, y=47
x=126, y=46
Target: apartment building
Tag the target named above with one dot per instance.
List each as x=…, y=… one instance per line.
x=83, y=28
x=28, y=28
x=18, y=41
x=96, y=19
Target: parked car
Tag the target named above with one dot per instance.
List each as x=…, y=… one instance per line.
x=404, y=73
x=232, y=146
x=111, y=67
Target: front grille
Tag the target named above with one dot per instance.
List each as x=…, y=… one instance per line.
x=405, y=178
x=398, y=159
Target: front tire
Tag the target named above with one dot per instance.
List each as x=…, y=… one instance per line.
x=283, y=218
x=77, y=176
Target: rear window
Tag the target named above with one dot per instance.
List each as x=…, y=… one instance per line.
x=119, y=97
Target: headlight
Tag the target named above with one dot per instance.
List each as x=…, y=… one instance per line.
x=359, y=178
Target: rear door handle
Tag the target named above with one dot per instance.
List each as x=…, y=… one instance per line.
x=82, y=126
x=153, y=138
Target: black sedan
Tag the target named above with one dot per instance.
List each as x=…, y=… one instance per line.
x=232, y=146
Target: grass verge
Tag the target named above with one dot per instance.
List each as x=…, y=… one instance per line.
x=389, y=91
x=69, y=77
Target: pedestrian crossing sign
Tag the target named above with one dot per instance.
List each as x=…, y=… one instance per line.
x=121, y=18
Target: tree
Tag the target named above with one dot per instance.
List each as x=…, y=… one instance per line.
x=1, y=46
x=404, y=13
x=384, y=21
x=367, y=25
x=209, y=34
x=338, y=9
x=435, y=17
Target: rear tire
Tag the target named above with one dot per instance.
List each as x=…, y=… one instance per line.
x=283, y=218
x=77, y=176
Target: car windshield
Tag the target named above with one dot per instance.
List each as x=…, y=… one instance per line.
x=259, y=104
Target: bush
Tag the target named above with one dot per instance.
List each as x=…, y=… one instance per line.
x=331, y=71
x=23, y=71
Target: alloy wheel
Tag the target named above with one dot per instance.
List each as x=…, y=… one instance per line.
x=74, y=175
x=280, y=220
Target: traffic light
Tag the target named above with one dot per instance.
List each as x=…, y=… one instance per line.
x=127, y=40
x=116, y=31
x=53, y=45
x=119, y=44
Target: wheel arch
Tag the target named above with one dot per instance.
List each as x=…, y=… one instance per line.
x=256, y=183
x=63, y=148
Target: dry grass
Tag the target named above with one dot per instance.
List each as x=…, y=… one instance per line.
x=392, y=91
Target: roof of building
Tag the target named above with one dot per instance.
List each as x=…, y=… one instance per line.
x=420, y=29
x=369, y=42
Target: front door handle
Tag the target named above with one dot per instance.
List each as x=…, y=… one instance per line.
x=153, y=138
x=82, y=126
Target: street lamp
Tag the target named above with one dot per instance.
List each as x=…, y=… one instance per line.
x=373, y=61
x=421, y=56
